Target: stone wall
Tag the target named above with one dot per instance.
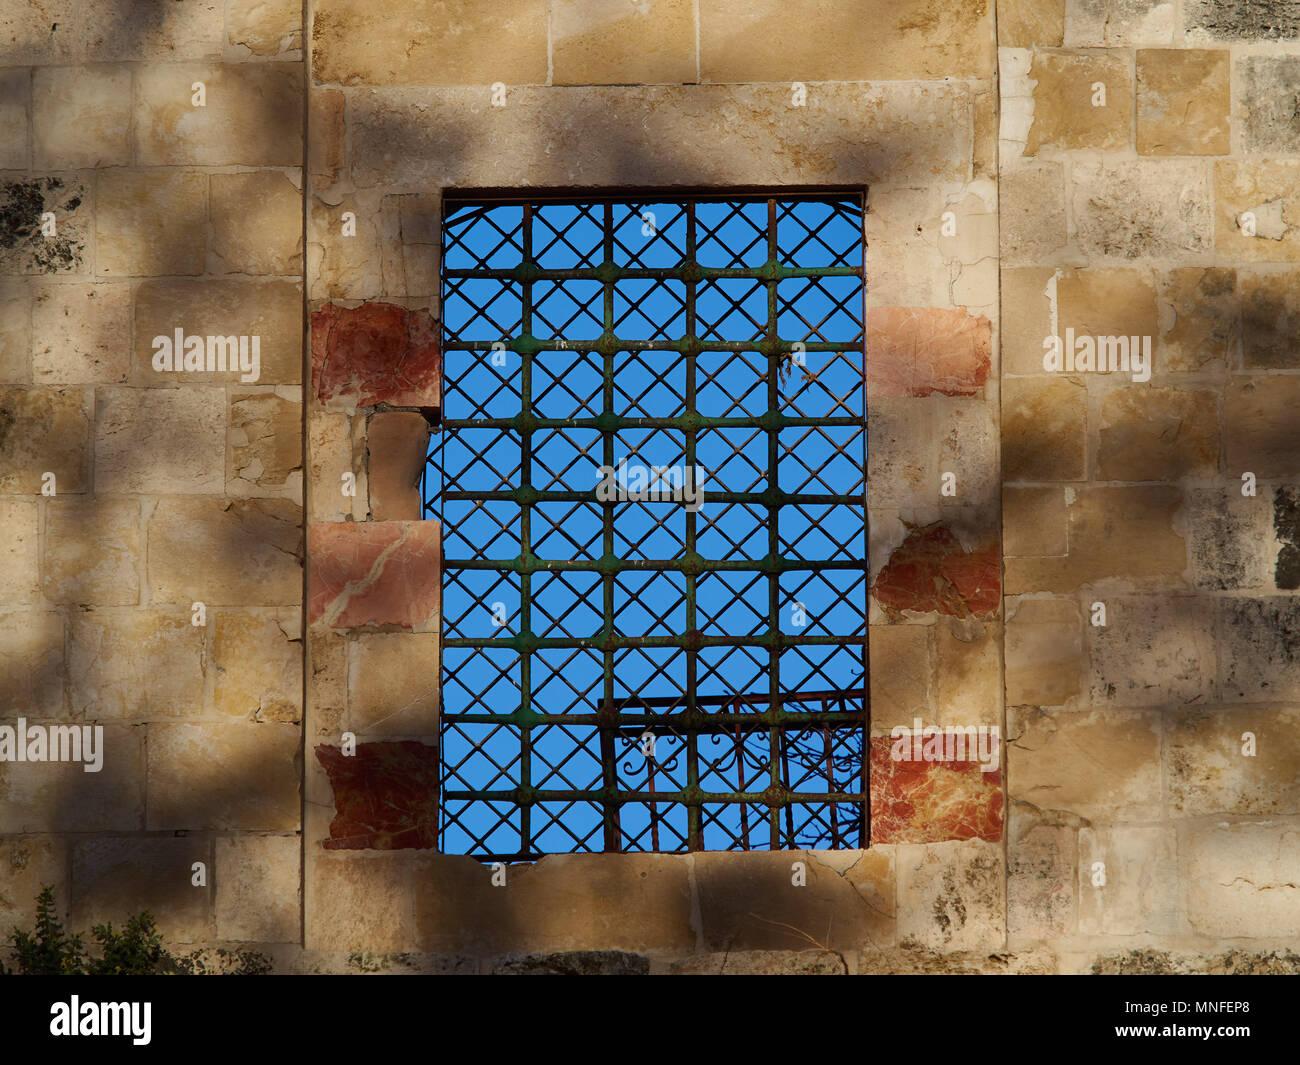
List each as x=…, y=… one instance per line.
x=300, y=203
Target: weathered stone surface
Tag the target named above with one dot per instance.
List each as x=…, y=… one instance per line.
x=1269, y=85
x=256, y=223
x=257, y=889
x=79, y=331
x=24, y=249
x=967, y=673
x=398, y=446
x=1064, y=115
x=430, y=42
x=573, y=963
x=1270, y=320
x=329, y=457
x=385, y=796
x=932, y=571
x=926, y=801
x=1026, y=318
x=92, y=552
x=42, y=431
x=902, y=452
x=951, y=896
x=416, y=139
x=381, y=573
x=150, y=222
x=1228, y=539
x=375, y=353
x=63, y=797
x=919, y=270
x=1140, y=208
x=1031, y=23
x=1259, y=425
x=32, y=664
x=1141, y=888
x=1108, y=23
x=225, y=553
x=224, y=777
x=115, y=29
x=1200, y=320
x=135, y=666
x=252, y=117
x=264, y=27
x=265, y=442
x=1286, y=527
x=1032, y=224
x=1153, y=651
x=15, y=332
x=1265, y=188
x=257, y=660
x=364, y=901
x=15, y=99
x=1099, y=764
x=1207, y=769
x=393, y=684
x=1043, y=429
x=1044, y=644
x=899, y=674
x=82, y=116
x=747, y=900
x=1034, y=521
x=1157, y=434
x=609, y=42
x=270, y=310
x=772, y=41
x=1122, y=532
x=1183, y=101
x=19, y=561
x=325, y=135
x=1241, y=20
x=918, y=351
x=26, y=866
x=112, y=879
x=159, y=440
x=1242, y=879
x=1259, y=649
x=1040, y=876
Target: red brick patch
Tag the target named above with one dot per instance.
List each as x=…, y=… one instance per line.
x=932, y=801
x=931, y=571
x=375, y=573
x=375, y=353
x=917, y=351
x=385, y=796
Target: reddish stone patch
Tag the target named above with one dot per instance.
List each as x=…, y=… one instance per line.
x=932, y=801
x=917, y=351
x=375, y=573
x=375, y=353
x=931, y=571
x=385, y=796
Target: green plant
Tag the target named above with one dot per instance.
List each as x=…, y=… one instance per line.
x=136, y=951
x=48, y=950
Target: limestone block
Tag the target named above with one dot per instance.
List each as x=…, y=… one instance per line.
x=149, y=222
x=79, y=332
x=92, y=552
x=258, y=888
x=264, y=27
x=1183, y=102
x=610, y=42
x=768, y=40
x=1266, y=189
x=1031, y=23
x=19, y=561
x=114, y=29
x=63, y=797
x=15, y=332
x=968, y=674
x=1034, y=521
x=15, y=99
x=1065, y=117
x=82, y=116
x=899, y=674
x=225, y=553
x=1268, y=122
x=256, y=223
x=1241, y=879
x=951, y=896
x=26, y=866
x=1139, y=208
x=393, y=684
x=1109, y=23
x=1259, y=649
x=1229, y=537
x=270, y=310
x=902, y=452
x=325, y=135
x=1096, y=764
x=1106, y=302
x=1241, y=20
x=329, y=457
x=1208, y=769
x=1026, y=318
x=32, y=664
x=1270, y=316
x=226, y=776
x=1157, y=434
x=1044, y=649
x=1140, y=892
x=1033, y=213
x=430, y=42
x=135, y=666
x=265, y=443
x=1259, y=426
x=1200, y=320
x=1043, y=429
x=258, y=665
x=1040, y=876
x=27, y=247
x=44, y=430
x=252, y=115
x=1153, y=651
x=113, y=879
x=398, y=446
x=160, y=440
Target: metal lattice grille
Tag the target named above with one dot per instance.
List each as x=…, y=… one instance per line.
x=627, y=665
